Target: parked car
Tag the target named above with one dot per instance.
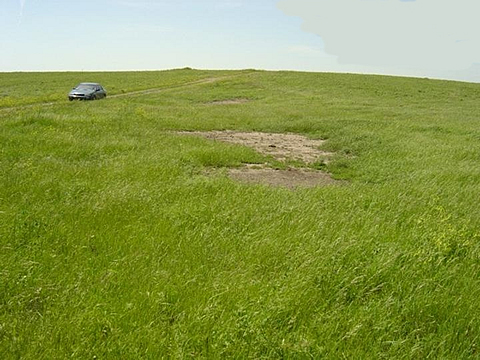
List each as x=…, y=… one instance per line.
x=87, y=91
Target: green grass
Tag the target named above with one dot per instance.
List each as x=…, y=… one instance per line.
x=115, y=244
x=32, y=88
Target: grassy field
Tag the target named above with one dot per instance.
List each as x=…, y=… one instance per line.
x=115, y=243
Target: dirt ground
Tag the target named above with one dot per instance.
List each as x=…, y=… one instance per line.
x=229, y=102
x=289, y=178
x=281, y=147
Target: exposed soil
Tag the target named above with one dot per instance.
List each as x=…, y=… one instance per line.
x=281, y=147
x=158, y=90
x=228, y=102
x=131, y=93
x=290, y=178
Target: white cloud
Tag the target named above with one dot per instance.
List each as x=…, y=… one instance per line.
x=436, y=35
x=306, y=50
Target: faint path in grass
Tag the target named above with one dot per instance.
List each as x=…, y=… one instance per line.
x=132, y=93
x=157, y=90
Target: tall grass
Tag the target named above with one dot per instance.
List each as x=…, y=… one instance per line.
x=115, y=243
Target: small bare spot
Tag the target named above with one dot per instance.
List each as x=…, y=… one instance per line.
x=290, y=178
x=228, y=102
x=282, y=147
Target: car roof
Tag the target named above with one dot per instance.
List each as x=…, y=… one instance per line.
x=89, y=83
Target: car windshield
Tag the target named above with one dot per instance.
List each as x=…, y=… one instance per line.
x=86, y=86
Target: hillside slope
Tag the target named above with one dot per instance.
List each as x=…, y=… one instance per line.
x=121, y=238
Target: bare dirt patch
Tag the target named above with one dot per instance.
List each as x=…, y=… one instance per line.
x=228, y=102
x=282, y=147
x=289, y=178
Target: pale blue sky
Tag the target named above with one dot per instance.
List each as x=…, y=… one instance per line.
x=206, y=34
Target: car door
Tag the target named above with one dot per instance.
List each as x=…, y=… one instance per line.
x=101, y=92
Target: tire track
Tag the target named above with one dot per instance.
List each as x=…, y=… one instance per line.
x=130, y=93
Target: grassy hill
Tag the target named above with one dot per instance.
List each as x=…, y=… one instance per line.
x=117, y=240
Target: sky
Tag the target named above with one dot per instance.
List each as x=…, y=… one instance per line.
x=422, y=38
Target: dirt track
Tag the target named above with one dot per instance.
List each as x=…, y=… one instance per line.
x=157, y=90
x=130, y=93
